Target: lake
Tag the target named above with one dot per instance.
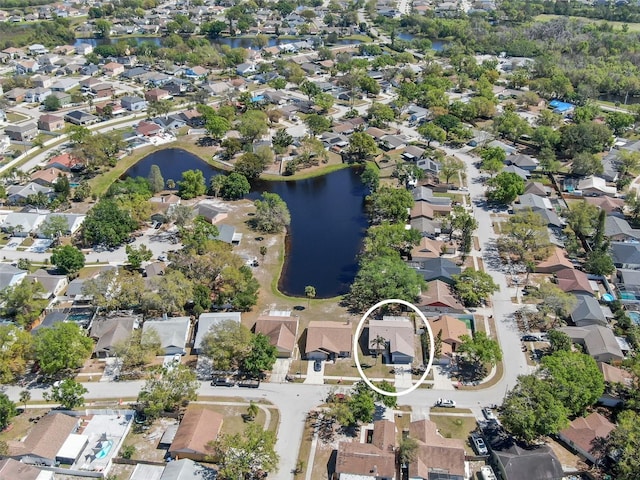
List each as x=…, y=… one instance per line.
x=327, y=221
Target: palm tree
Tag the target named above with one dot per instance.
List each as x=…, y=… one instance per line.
x=310, y=292
x=252, y=410
x=380, y=343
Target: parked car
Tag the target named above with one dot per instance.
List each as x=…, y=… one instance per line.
x=222, y=382
x=488, y=414
x=530, y=338
x=479, y=446
x=317, y=365
x=446, y=403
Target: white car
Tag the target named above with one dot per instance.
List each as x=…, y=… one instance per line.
x=445, y=403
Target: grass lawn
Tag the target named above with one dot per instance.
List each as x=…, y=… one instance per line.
x=455, y=427
x=15, y=117
x=20, y=424
x=633, y=27
x=305, y=448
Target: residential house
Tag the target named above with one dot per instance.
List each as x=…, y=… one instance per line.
x=50, y=123
x=170, y=122
x=64, y=98
x=597, y=340
x=615, y=379
x=90, y=70
x=429, y=248
x=37, y=49
x=369, y=461
x=617, y=229
x=113, y=69
x=427, y=227
x=417, y=114
x=5, y=143
x=450, y=330
x=282, y=331
x=208, y=320
x=193, y=118
x=413, y=153
x=588, y=312
x=198, y=427
x=10, y=275
x=25, y=67
x=210, y=212
x=574, y=281
x=608, y=204
x=537, y=188
x=156, y=94
x=65, y=84
x=18, y=194
x=45, y=439
x=398, y=334
x=65, y=162
x=174, y=333
x=516, y=463
x=37, y=95
x=109, y=331
x=186, y=469
x=522, y=161
x=596, y=186
x=23, y=132
x=437, y=269
x=84, y=48
x=436, y=456
x=439, y=298
x=102, y=90
x=228, y=234
x=245, y=69
x=15, y=94
x=587, y=435
x=328, y=340
x=148, y=129
x=393, y=142
x=78, y=117
x=523, y=174
x=155, y=269
x=555, y=262
x=53, y=284
x=133, y=103
x=11, y=469
x=626, y=255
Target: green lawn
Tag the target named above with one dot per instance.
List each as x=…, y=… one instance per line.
x=15, y=117
x=455, y=427
x=633, y=27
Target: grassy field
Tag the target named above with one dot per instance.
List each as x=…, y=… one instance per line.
x=455, y=427
x=20, y=424
x=632, y=27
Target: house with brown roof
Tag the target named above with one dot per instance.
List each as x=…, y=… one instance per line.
x=557, y=261
x=11, y=469
x=614, y=378
x=375, y=460
x=148, y=129
x=327, y=340
x=198, y=427
x=450, y=329
x=574, y=281
x=439, y=298
x=398, y=334
x=428, y=248
x=50, y=123
x=281, y=330
x=435, y=454
x=156, y=94
x=587, y=435
x=45, y=439
x=608, y=204
x=113, y=69
x=47, y=176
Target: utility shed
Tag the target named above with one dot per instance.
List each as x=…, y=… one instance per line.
x=72, y=448
x=147, y=472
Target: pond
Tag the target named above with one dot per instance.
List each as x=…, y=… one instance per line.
x=327, y=221
x=233, y=42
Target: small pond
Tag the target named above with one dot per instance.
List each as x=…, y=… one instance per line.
x=327, y=221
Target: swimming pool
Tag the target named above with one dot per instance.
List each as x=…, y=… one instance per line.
x=607, y=297
x=106, y=448
x=635, y=317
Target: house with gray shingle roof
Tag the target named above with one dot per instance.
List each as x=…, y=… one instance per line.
x=597, y=340
x=174, y=333
x=588, y=312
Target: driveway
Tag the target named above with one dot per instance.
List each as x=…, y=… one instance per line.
x=314, y=378
x=280, y=370
x=14, y=243
x=40, y=245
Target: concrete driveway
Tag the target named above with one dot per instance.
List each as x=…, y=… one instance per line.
x=313, y=377
x=280, y=370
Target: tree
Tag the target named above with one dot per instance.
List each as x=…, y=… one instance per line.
x=69, y=394
x=25, y=396
x=272, y=214
x=156, y=181
x=7, y=411
x=112, y=290
x=68, y=259
x=505, y=188
x=624, y=444
x=493, y=159
x=432, y=133
x=382, y=278
x=78, y=134
x=102, y=28
x=217, y=126
x=474, y=287
x=24, y=302
x=599, y=262
x=389, y=401
x=408, y=450
x=170, y=293
x=235, y=186
x=192, y=184
x=64, y=346
x=451, y=167
x=524, y=237
x=576, y=379
x=532, y=409
x=389, y=240
x=361, y=403
x=253, y=124
x=582, y=218
x=559, y=341
x=281, y=140
x=370, y=177
x=361, y=146
x=54, y=226
x=546, y=137
x=463, y=221
x=252, y=410
x=137, y=255
x=555, y=301
x=585, y=163
x=590, y=137
x=16, y=351
x=310, y=292
x=310, y=89
x=250, y=165
x=619, y=122
x=52, y=103
x=138, y=349
x=227, y=344
x=250, y=454
x=511, y=125
x=324, y=101
x=168, y=390
x=107, y=224
x=261, y=357
x=318, y=123
x=380, y=114
x=389, y=205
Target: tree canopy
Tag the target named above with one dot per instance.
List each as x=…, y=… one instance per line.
x=192, y=184
x=474, y=286
x=107, y=224
x=227, y=344
x=272, y=214
x=168, y=389
x=505, y=187
x=389, y=204
x=68, y=259
x=62, y=347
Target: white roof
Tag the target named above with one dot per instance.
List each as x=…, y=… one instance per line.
x=207, y=320
x=147, y=472
x=72, y=446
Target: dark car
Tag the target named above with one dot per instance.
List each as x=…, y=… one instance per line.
x=221, y=382
x=530, y=338
x=317, y=365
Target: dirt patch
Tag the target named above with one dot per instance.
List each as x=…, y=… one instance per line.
x=21, y=424
x=146, y=440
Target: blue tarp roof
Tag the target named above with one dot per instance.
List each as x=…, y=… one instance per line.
x=561, y=106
